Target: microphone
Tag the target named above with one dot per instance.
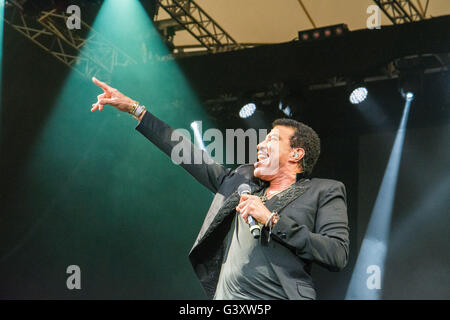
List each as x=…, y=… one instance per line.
x=255, y=229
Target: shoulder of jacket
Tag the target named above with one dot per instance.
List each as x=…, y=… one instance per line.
x=245, y=168
x=326, y=183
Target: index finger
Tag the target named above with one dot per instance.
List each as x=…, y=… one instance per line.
x=101, y=84
x=244, y=197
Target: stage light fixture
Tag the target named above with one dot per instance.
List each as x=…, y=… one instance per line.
x=247, y=111
x=358, y=95
x=410, y=81
x=407, y=93
x=285, y=109
x=322, y=33
x=409, y=84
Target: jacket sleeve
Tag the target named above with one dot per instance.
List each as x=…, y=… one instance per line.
x=328, y=245
x=198, y=164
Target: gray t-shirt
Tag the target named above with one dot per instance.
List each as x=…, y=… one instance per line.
x=246, y=273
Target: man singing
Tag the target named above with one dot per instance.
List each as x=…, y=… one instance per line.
x=301, y=220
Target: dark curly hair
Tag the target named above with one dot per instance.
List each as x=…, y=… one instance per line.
x=304, y=137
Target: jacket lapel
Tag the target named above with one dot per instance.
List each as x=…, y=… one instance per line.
x=257, y=186
x=229, y=207
x=289, y=195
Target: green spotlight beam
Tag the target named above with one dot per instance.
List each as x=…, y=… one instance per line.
x=97, y=191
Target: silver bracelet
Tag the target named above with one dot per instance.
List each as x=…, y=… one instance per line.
x=139, y=111
x=269, y=223
x=270, y=218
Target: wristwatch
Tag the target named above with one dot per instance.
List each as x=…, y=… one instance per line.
x=139, y=111
x=136, y=109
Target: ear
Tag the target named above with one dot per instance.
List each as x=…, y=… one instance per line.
x=297, y=154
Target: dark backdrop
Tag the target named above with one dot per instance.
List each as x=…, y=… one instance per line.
x=87, y=189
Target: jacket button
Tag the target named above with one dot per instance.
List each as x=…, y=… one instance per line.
x=283, y=235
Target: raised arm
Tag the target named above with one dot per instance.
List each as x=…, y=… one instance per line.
x=206, y=171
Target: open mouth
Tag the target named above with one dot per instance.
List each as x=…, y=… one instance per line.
x=263, y=157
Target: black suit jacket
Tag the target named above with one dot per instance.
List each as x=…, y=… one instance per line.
x=313, y=224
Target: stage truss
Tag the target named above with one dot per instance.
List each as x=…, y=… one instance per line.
x=91, y=56
x=403, y=11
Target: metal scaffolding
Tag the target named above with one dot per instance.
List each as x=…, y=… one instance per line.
x=200, y=25
x=91, y=55
x=403, y=11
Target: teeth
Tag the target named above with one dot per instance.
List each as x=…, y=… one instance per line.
x=262, y=156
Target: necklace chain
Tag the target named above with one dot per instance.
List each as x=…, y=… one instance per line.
x=264, y=197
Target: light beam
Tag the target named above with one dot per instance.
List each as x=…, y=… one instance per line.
x=368, y=272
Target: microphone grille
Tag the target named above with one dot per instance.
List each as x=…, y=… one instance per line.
x=244, y=188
